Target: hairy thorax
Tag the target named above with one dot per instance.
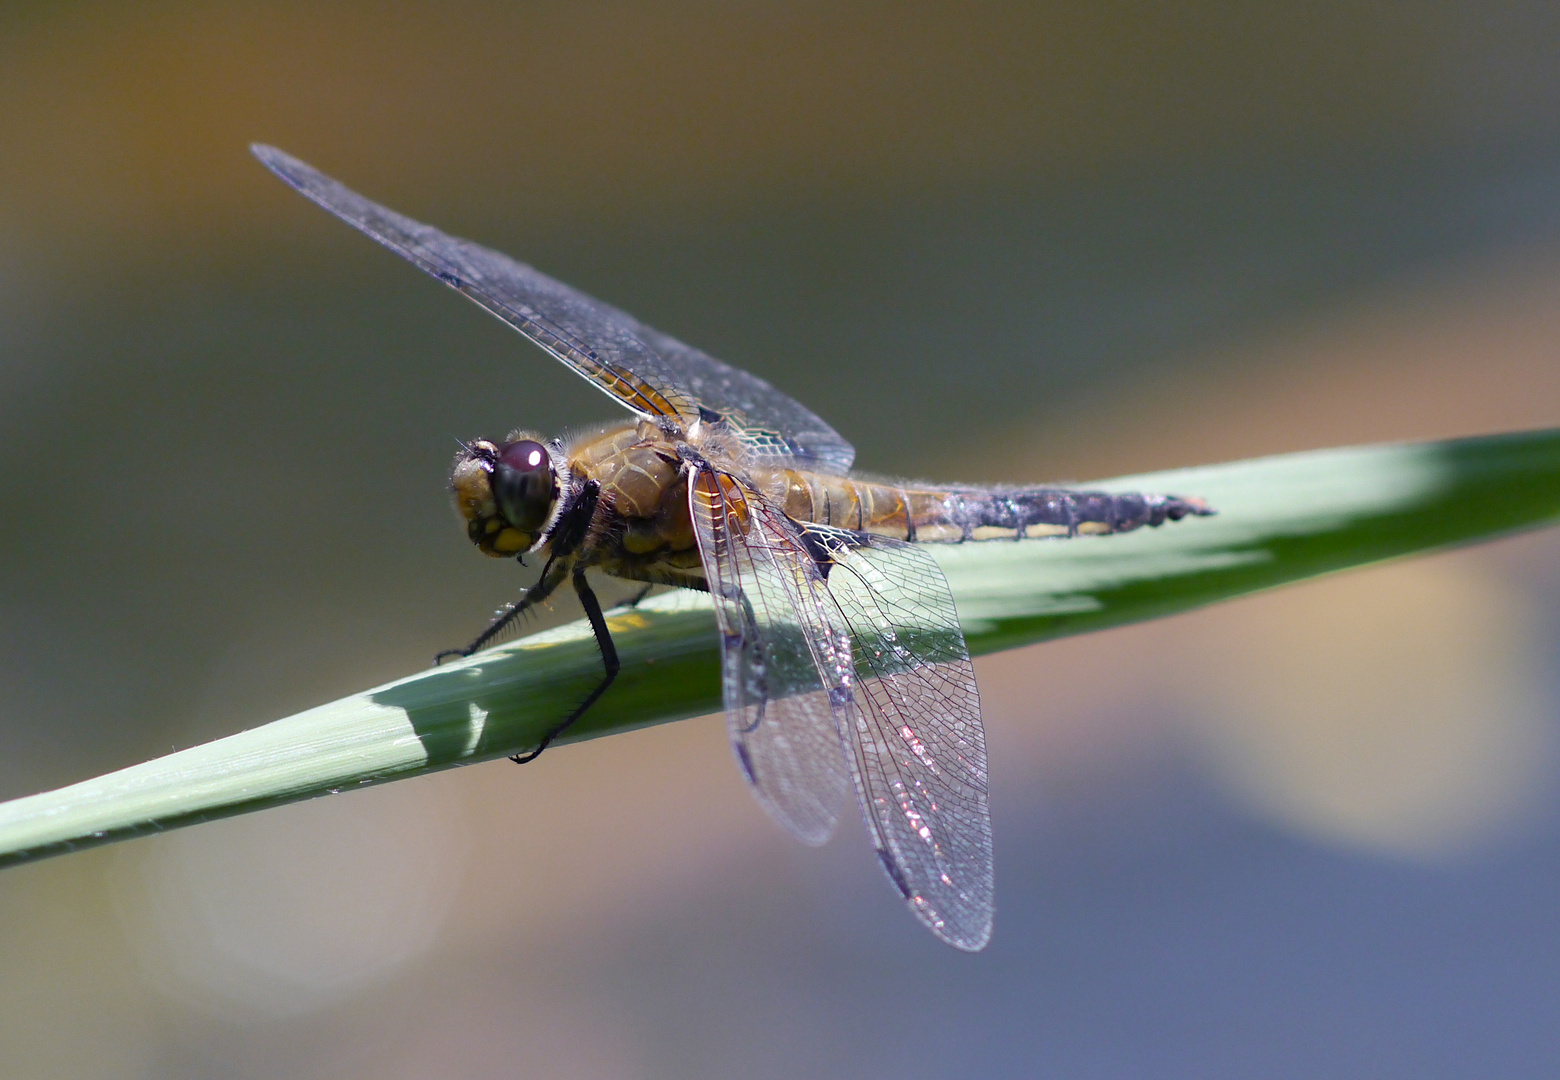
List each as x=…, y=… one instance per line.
x=642, y=516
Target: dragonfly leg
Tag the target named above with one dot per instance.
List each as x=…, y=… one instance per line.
x=568, y=535
x=633, y=601
x=552, y=576
x=609, y=660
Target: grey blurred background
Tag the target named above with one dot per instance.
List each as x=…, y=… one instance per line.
x=1310, y=833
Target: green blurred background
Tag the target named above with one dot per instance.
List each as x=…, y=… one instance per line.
x=1304, y=834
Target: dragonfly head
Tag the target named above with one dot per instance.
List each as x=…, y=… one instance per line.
x=506, y=492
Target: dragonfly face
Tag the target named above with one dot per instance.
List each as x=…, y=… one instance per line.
x=506, y=493
x=843, y=664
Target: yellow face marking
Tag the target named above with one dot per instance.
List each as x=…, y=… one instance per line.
x=510, y=542
x=473, y=492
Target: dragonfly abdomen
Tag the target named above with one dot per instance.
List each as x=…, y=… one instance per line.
x=958, y=515
x=976, y=514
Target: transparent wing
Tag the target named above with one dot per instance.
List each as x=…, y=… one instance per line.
x=642, y=368
x=774, y=426
x=875, y=647
x=776, y=643
x=917, y=747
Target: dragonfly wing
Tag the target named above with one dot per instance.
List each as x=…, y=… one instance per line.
x=649, y=372
x=776, y=641
x=824, y=625
x=776, y=428
x=916, y=746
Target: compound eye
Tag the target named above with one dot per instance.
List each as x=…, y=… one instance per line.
x=525, y=455
x=523, y=484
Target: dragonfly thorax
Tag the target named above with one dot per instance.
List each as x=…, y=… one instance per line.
x=506, y=493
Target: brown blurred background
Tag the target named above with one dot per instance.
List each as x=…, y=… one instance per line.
x=1311, y=833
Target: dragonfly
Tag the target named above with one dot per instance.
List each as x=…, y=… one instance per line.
x=843, y=663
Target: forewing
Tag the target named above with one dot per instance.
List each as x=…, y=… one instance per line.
x=778, y=647
x=651, y=373
x=776, y=428
x=917, y=749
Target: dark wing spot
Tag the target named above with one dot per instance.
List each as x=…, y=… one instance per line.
x=746, y=761
x=710, y=416
x=818, y=551
x=894, y=873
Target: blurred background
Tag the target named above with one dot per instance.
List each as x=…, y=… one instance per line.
x=1309, y=833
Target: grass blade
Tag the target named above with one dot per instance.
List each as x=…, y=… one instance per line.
x=1280, y=519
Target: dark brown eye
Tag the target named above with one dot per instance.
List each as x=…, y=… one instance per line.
x=523, y=484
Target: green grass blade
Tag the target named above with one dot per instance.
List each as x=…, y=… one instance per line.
x=1280, y=519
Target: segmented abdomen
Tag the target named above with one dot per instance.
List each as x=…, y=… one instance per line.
x=955, y=515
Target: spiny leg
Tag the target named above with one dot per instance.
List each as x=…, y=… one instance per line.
x=609, y=660
x=565, y=539
x=552, y=577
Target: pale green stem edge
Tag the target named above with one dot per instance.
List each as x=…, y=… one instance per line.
x=1280, y=519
